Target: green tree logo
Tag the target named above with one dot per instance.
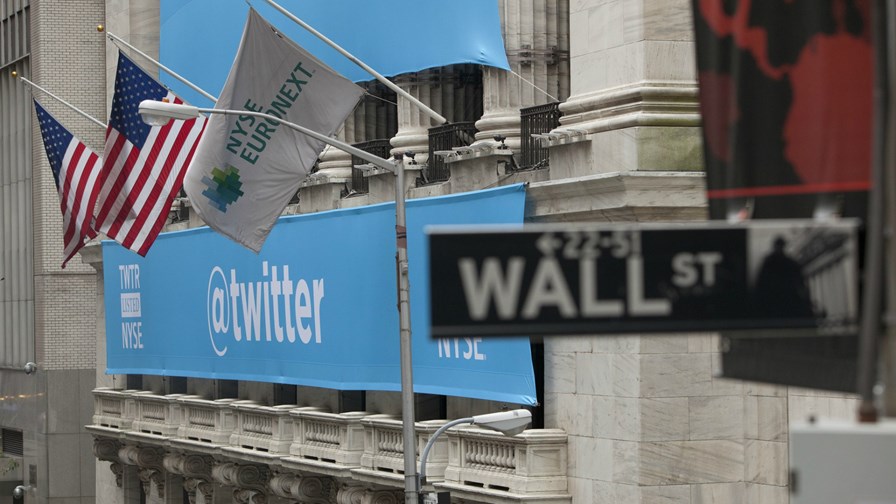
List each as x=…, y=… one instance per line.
x=223, y=188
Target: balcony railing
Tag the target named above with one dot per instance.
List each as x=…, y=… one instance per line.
x=442, y=138
x=334, y=438
x=475, y=463
x=384, y=446
x=533, y=121
x=209, y=422
x=378, y=148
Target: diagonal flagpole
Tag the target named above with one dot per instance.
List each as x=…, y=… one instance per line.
x=60, y=100
x=194, y=87
x=386, y=82
x=408, y=431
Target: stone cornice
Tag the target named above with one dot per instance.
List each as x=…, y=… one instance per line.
x=619, y=197
x=646, y=103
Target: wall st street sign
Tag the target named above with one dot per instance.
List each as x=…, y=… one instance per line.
x=564, y=279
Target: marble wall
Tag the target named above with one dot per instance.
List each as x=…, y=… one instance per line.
x=649, y=419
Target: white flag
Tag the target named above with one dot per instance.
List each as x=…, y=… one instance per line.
x=246, y=169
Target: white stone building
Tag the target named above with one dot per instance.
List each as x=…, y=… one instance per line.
x=624, y=419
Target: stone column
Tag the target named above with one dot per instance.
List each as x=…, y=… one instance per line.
x=413, y=124
x=634, y=91
x=536, y=37
x=413, y=132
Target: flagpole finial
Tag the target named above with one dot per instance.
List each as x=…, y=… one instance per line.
x=100, y=28
x=14, y=74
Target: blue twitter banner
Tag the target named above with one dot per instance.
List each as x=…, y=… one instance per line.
x=317, y=306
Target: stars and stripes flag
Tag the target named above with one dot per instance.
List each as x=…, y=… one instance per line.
x=76, y=172
x=143, y=166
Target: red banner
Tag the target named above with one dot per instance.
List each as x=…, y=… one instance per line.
x=786, y=99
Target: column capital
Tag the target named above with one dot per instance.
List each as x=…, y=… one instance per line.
x=251, y=481
x=306, y=489
x=358, y=494
x=106, y=449
x=189, y=465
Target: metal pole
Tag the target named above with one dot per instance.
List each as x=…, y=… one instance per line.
x=409, y=435
x=155, y=62
x=874, y=229
x=350, y=149
x=60, y=100
x=386, y=82
x=890, y=207
x=429, y=444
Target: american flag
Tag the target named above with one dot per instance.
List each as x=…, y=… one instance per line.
x=143, y=166
x=76, y=172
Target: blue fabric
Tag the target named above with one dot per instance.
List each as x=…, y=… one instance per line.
x=132, y=86
x=200, y=37
x=200, y=305
x=56, y=139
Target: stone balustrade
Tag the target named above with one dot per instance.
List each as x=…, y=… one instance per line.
x=263, y=428
x=530, y=466
x=476, y=463
x=384, y=446
x=335, y=438
x=156, y=414
x=206, y=421
x=110, y=409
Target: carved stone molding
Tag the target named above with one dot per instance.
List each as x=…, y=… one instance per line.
x=355, y=494
x=151, y=457
x=196, y=471
x=194, y=486
x=191, y=486
x=383, y=497
x=149, y=461
x=148, y=476
x=189, y=465
x=106, y=449
x=250, y=481
x=350, y=494
x=127, y=454
x=306, y=489
x=117, y=469
x=247, y=496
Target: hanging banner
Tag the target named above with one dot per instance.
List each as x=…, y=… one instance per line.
x=786, y=100
x=200, y=37
x=317, y=307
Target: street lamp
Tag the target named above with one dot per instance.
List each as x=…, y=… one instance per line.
x=509, y=423
x=157, y=113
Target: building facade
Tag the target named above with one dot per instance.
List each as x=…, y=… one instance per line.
x=600, y=114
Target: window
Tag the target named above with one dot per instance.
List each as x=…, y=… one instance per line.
x=12, y=441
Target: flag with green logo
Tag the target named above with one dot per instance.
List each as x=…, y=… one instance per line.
x=247, y=168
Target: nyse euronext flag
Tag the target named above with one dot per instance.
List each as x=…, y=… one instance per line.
x=247, y=168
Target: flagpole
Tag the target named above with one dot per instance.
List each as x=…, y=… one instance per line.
x=408, y=431
x=60, y=100
x=386, y=82
x=169, y=71
x=152, y=110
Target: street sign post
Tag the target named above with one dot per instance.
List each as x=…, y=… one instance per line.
x=591, y=279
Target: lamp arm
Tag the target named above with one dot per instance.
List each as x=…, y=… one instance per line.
x=432, y=440
x=354, y=151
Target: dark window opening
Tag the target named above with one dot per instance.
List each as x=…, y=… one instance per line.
x=13, y=442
